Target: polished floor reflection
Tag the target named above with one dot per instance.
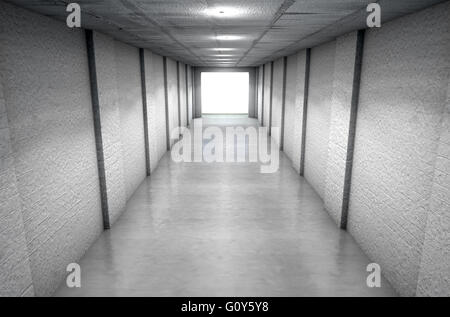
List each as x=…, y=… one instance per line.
x=225, y=229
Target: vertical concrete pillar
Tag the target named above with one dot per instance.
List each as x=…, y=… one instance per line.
x=166, y=96
x=271, y=97
x=183, y=109
x=252, y=106
x=344, y=109
x=305, y=111
x=257, y=94
x=276, y=112
x=197, y=91
x=97, y=127
x=179, y=94
x=190, y=94
x=186, y=73
x=194, y=92
x=145, y=111
x=263, y=93
x=267, y=93
x=352, y=126
x=283, y=103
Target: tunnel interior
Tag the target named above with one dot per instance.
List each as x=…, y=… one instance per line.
x=355, y=116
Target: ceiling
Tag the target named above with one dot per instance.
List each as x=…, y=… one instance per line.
x=225, y=32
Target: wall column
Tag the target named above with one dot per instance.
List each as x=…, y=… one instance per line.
x=186, y=70
x=262, y=95
x=283, y=103
x=145, y=111
x=166, y=95
x=102, y=63
x=344, y=110
x=179, y=95
x=305, y=111
x=97, y=127
x=271, y=98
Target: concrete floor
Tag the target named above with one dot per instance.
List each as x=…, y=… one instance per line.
x=224, y=229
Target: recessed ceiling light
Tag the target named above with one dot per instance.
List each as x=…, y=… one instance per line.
x=223, y=55
x=228, y=37
x=223, y=12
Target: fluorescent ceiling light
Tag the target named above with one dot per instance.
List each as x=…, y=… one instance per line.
x=228, y=37
x=223, y=12
x=223, y=49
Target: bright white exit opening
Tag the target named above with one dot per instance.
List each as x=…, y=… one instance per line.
x=225, y=93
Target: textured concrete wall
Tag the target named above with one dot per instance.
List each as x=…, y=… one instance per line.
x=267, y=76
x=105, y=60
x=339, y=124
x=434, y=277
x=156, y=106
x=319, y=105
x=183, y=107
x=50, y=198
x=277, y=100
x=260, y=94
x=403, y=95
x=295, y=89
x=173, y=95
x=15, y=273
x=47, y=94
x=131, y=116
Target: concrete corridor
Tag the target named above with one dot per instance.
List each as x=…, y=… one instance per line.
x=95, y=94
x=237, y=232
